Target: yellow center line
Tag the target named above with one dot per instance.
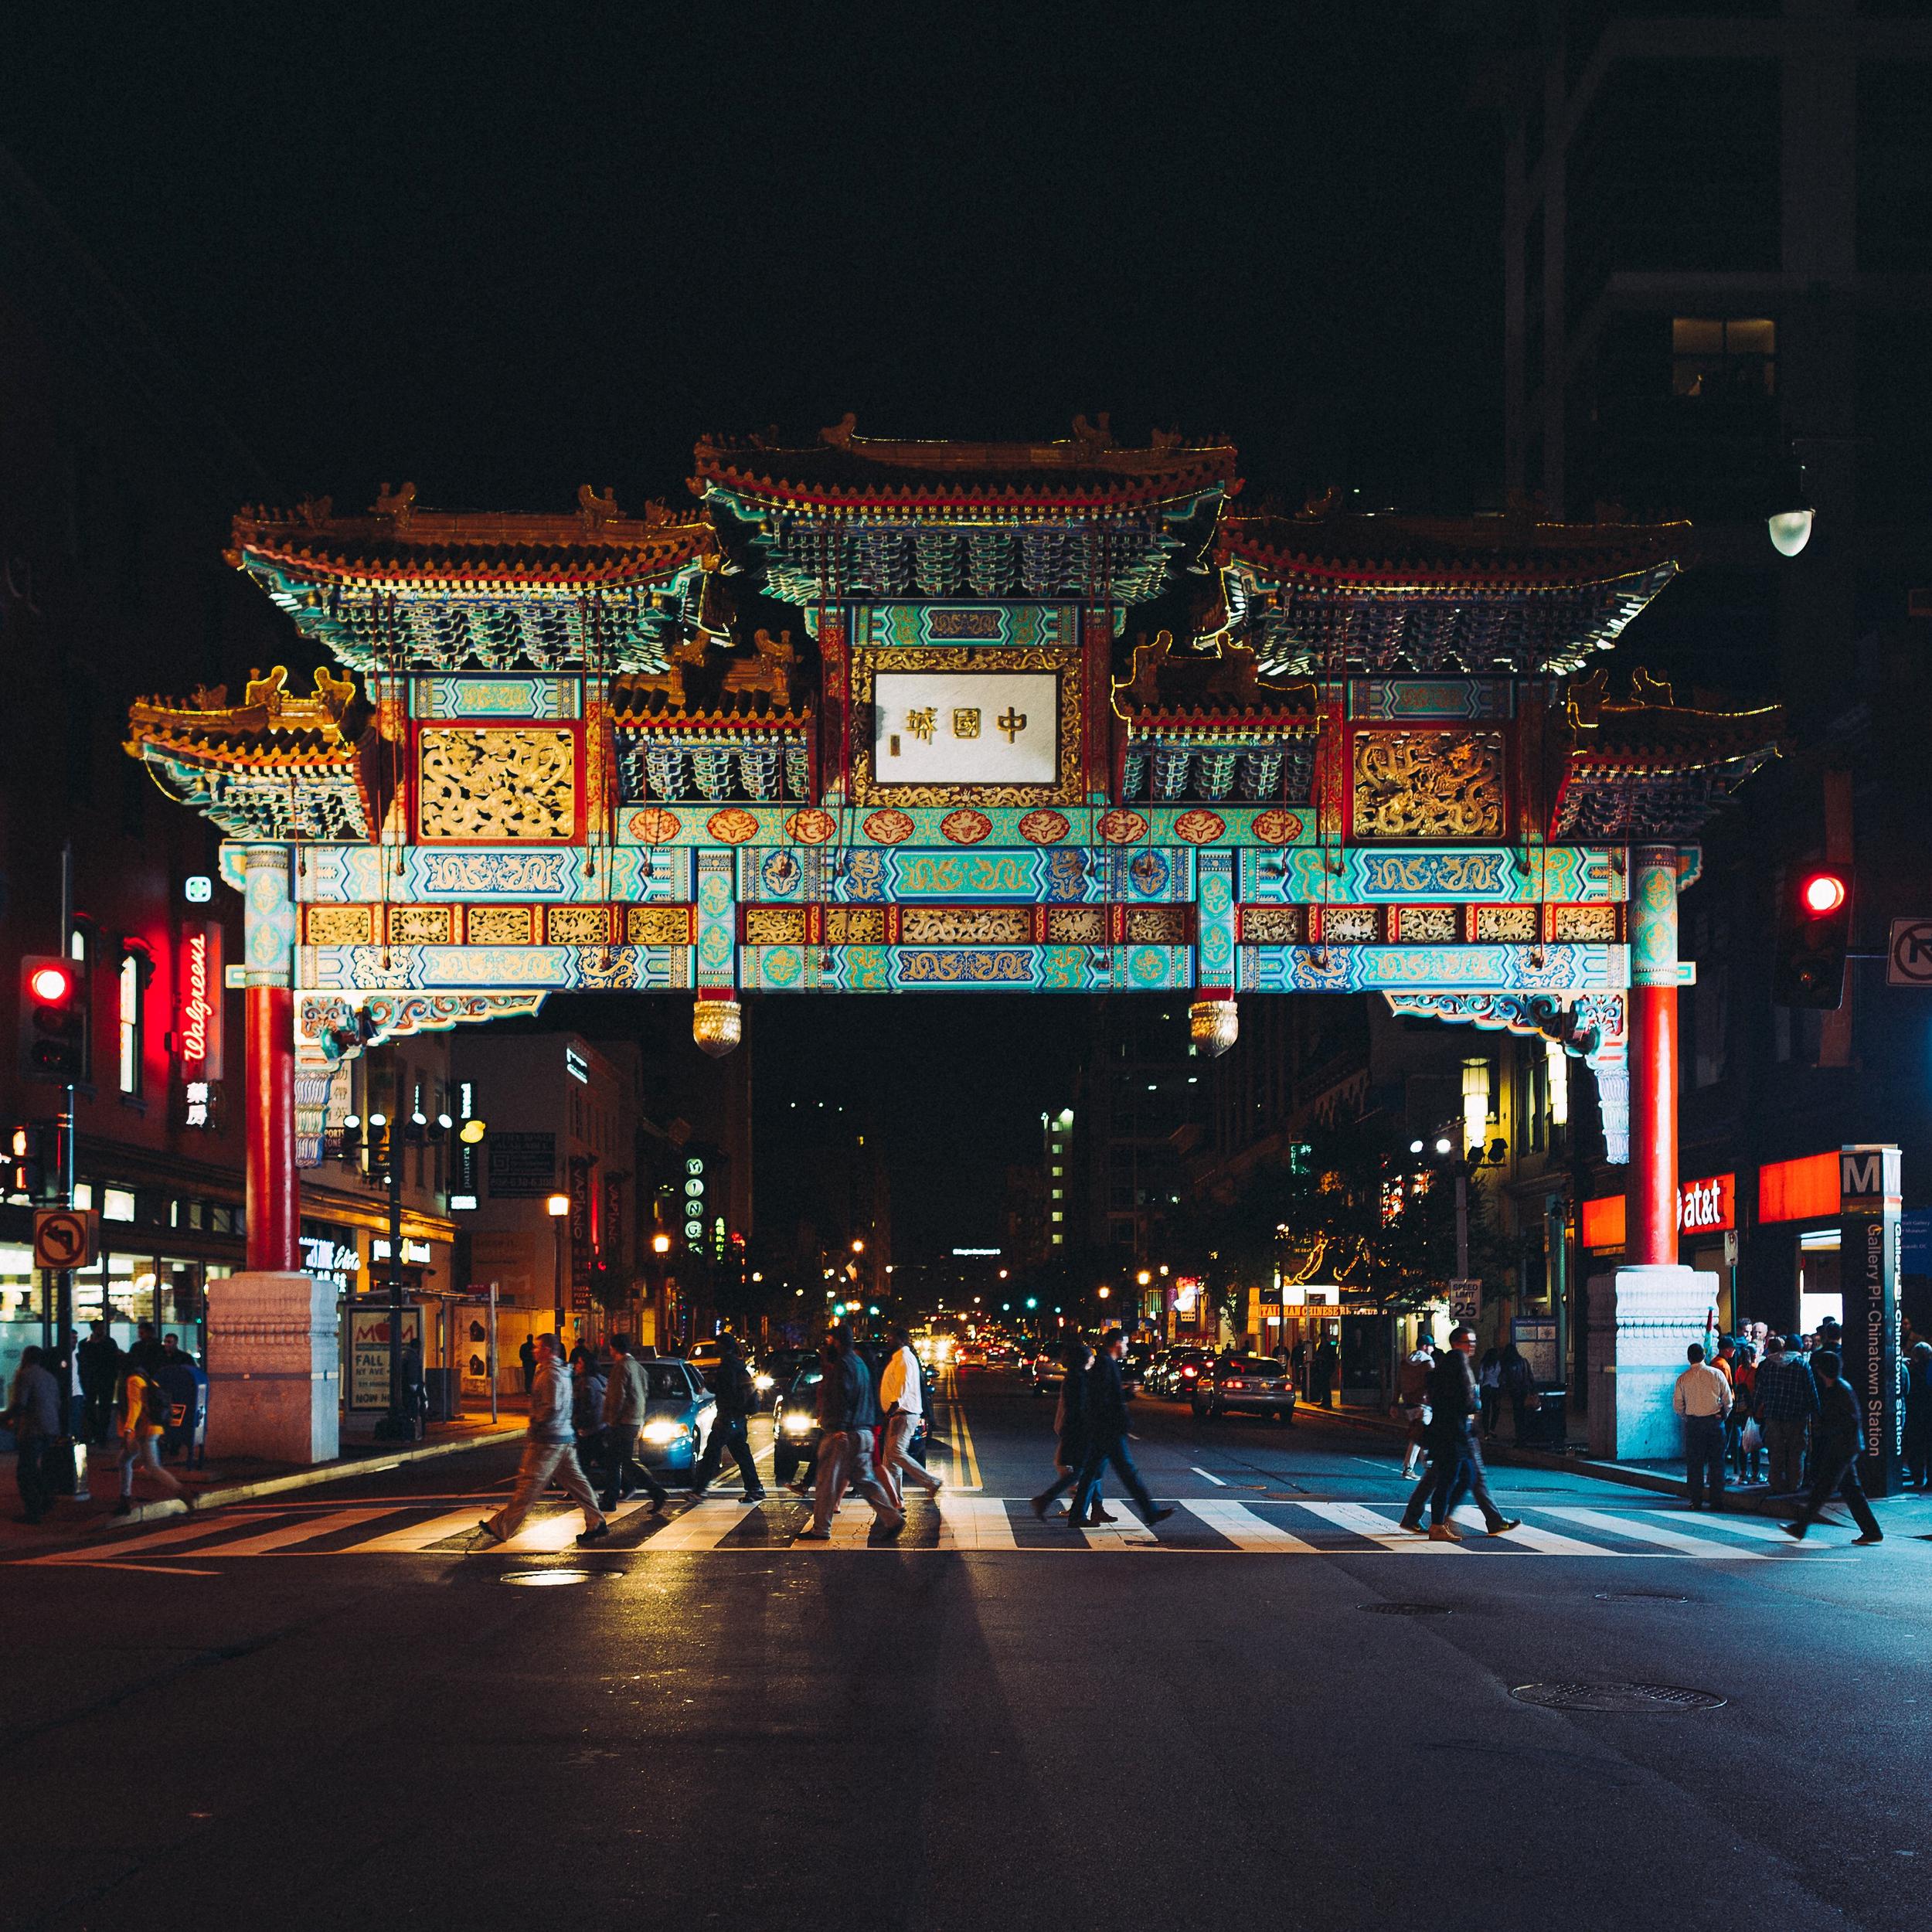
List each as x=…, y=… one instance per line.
x=965, y=1454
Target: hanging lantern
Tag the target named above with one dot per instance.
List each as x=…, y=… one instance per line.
x=717, y=1025
x=1215, y=1024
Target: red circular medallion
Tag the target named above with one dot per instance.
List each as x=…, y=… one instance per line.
x=1122, y=828
x=811, y=827
x=654, y=825
x=965, y=827
x=1043, y=827
x=889, y=827
x=1199, y=828
x=733, y=826
x=1277, y=828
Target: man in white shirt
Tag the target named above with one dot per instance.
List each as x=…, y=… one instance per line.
x=1703, y=1397
x=901, y=1408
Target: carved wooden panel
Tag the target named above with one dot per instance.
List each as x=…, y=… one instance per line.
x=1157, y=925
x=578, y=925
x=500, y=925
x=340, y=925
x=966, y=925
x=1428, y=784
x=422, y=925
x=1513, y=925
x=1274, y=925
x=490, y=784
x=660, y=926
x=855, y=925
x=1077, y=925
x=1587, y=923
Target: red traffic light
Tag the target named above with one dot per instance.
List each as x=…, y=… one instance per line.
x=1822, y=893
x=52, y=983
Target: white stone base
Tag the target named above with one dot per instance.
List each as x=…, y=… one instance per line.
x=274, y=1368
x=1641, y=1320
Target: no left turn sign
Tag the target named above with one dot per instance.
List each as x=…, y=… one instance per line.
x=65, y=1237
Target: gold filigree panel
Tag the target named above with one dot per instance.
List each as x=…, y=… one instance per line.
x=1273, y=925
x=855, y=925
x=659, y=925
x=775, y=926
x=1351, y=925
x=1586, y=922
x=422, y=925
x=1156, y=925
x=1077, y=925
x=497, y=785
x=867, y=663
x=500, y=925
x=578, y=925
x=1506, y=925
x=340, y=925
x=1428, y=784
x=1429, y=925
x=966, y=926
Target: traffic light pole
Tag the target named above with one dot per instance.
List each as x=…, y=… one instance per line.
x=63, y=1281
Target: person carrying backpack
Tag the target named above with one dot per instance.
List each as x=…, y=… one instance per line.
x=143, y=1413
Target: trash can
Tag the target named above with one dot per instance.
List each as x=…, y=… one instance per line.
x=439, y=1385
x=1548, y=1426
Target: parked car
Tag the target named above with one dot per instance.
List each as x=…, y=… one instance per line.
x=1244, y=1384
x=1045, y=1371
x=794, y=1426
x=678, y=1415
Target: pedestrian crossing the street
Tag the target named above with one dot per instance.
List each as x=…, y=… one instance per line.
x=954, y=1522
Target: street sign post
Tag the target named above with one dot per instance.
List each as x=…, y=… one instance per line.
x=1908, y=953
x=1465, y=1299
x=66, y=1238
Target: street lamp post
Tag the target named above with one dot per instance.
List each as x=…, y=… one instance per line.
x=558, y=1206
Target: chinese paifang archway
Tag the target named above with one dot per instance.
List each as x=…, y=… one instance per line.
x=874, y=717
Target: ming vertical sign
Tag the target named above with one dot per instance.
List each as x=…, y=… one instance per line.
x=1869, y=1192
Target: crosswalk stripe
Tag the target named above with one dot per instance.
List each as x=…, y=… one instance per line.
x=1634, y=1527
x=417, y=1536
x=1364, y=1522
x=560, y=1531
x=301, y=1530
x=974, y=1523
x=1243, y=1529
x=1753, y=1529
x=188, y=1531
x=1553, y=1542
x=703, y=1526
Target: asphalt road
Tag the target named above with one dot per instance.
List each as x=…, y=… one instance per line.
x=256, y=1720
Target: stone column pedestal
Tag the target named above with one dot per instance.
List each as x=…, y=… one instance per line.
x=1641, y=1320
x=274, y=1367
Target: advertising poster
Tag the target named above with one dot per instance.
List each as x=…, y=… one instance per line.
x=369, y=1352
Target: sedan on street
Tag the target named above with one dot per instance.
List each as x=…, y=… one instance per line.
x=1244, y=1384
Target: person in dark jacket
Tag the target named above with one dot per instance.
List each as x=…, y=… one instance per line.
x=1455, y=1466
x=848, y=1414
x=1069, y=1424
x=1323, y=1371
x=99, y=1376
x=1105, y=1409
x=1918, y=1414
x=33, y=1414
x=1836, y=1441
x=526, y=1354
x=729, y=1429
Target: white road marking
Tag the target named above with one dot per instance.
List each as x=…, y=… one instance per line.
x=974, y=1523
x=413, y=1537
x=1642, y=1531
x=186, y=1531
x=1364, y=1522
x=1243, y=1529
x=1753, y=1528
x=702, y=1527
x=1210, y=1475
x=301, y=1530
x=559, y=1531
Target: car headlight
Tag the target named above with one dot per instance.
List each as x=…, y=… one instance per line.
x=761, y=1383
x=664, y=1430
x=799, y=1422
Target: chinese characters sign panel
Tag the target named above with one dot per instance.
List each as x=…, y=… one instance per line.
x=965, y=728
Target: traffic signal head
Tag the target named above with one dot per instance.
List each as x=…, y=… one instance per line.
x=54, y=1021
x=1814, y=928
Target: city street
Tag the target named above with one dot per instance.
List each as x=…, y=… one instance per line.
x=329, y=1707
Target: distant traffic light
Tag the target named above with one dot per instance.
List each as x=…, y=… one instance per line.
x=1814, y=929
x=54, y=1021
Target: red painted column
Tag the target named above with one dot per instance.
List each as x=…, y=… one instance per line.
x=1651, y=1235
x=273, y=1218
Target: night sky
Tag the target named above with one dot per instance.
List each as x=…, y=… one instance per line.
x=502, y=251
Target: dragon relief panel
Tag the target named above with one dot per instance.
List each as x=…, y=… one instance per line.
x=485, y=783
x=422, y=925
x=500, y=925
x=658, y=925
x=966, y=925
x=1428, y=784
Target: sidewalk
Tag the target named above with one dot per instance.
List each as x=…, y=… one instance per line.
x=232, y=1479
x=1663, y=1477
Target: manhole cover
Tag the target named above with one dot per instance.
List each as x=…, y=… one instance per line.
x=1405, y=1610
x=545, y=1579
x=1616, y=1697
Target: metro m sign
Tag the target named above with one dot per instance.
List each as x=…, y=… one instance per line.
x=1868, y=1178
x=198, y=1011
